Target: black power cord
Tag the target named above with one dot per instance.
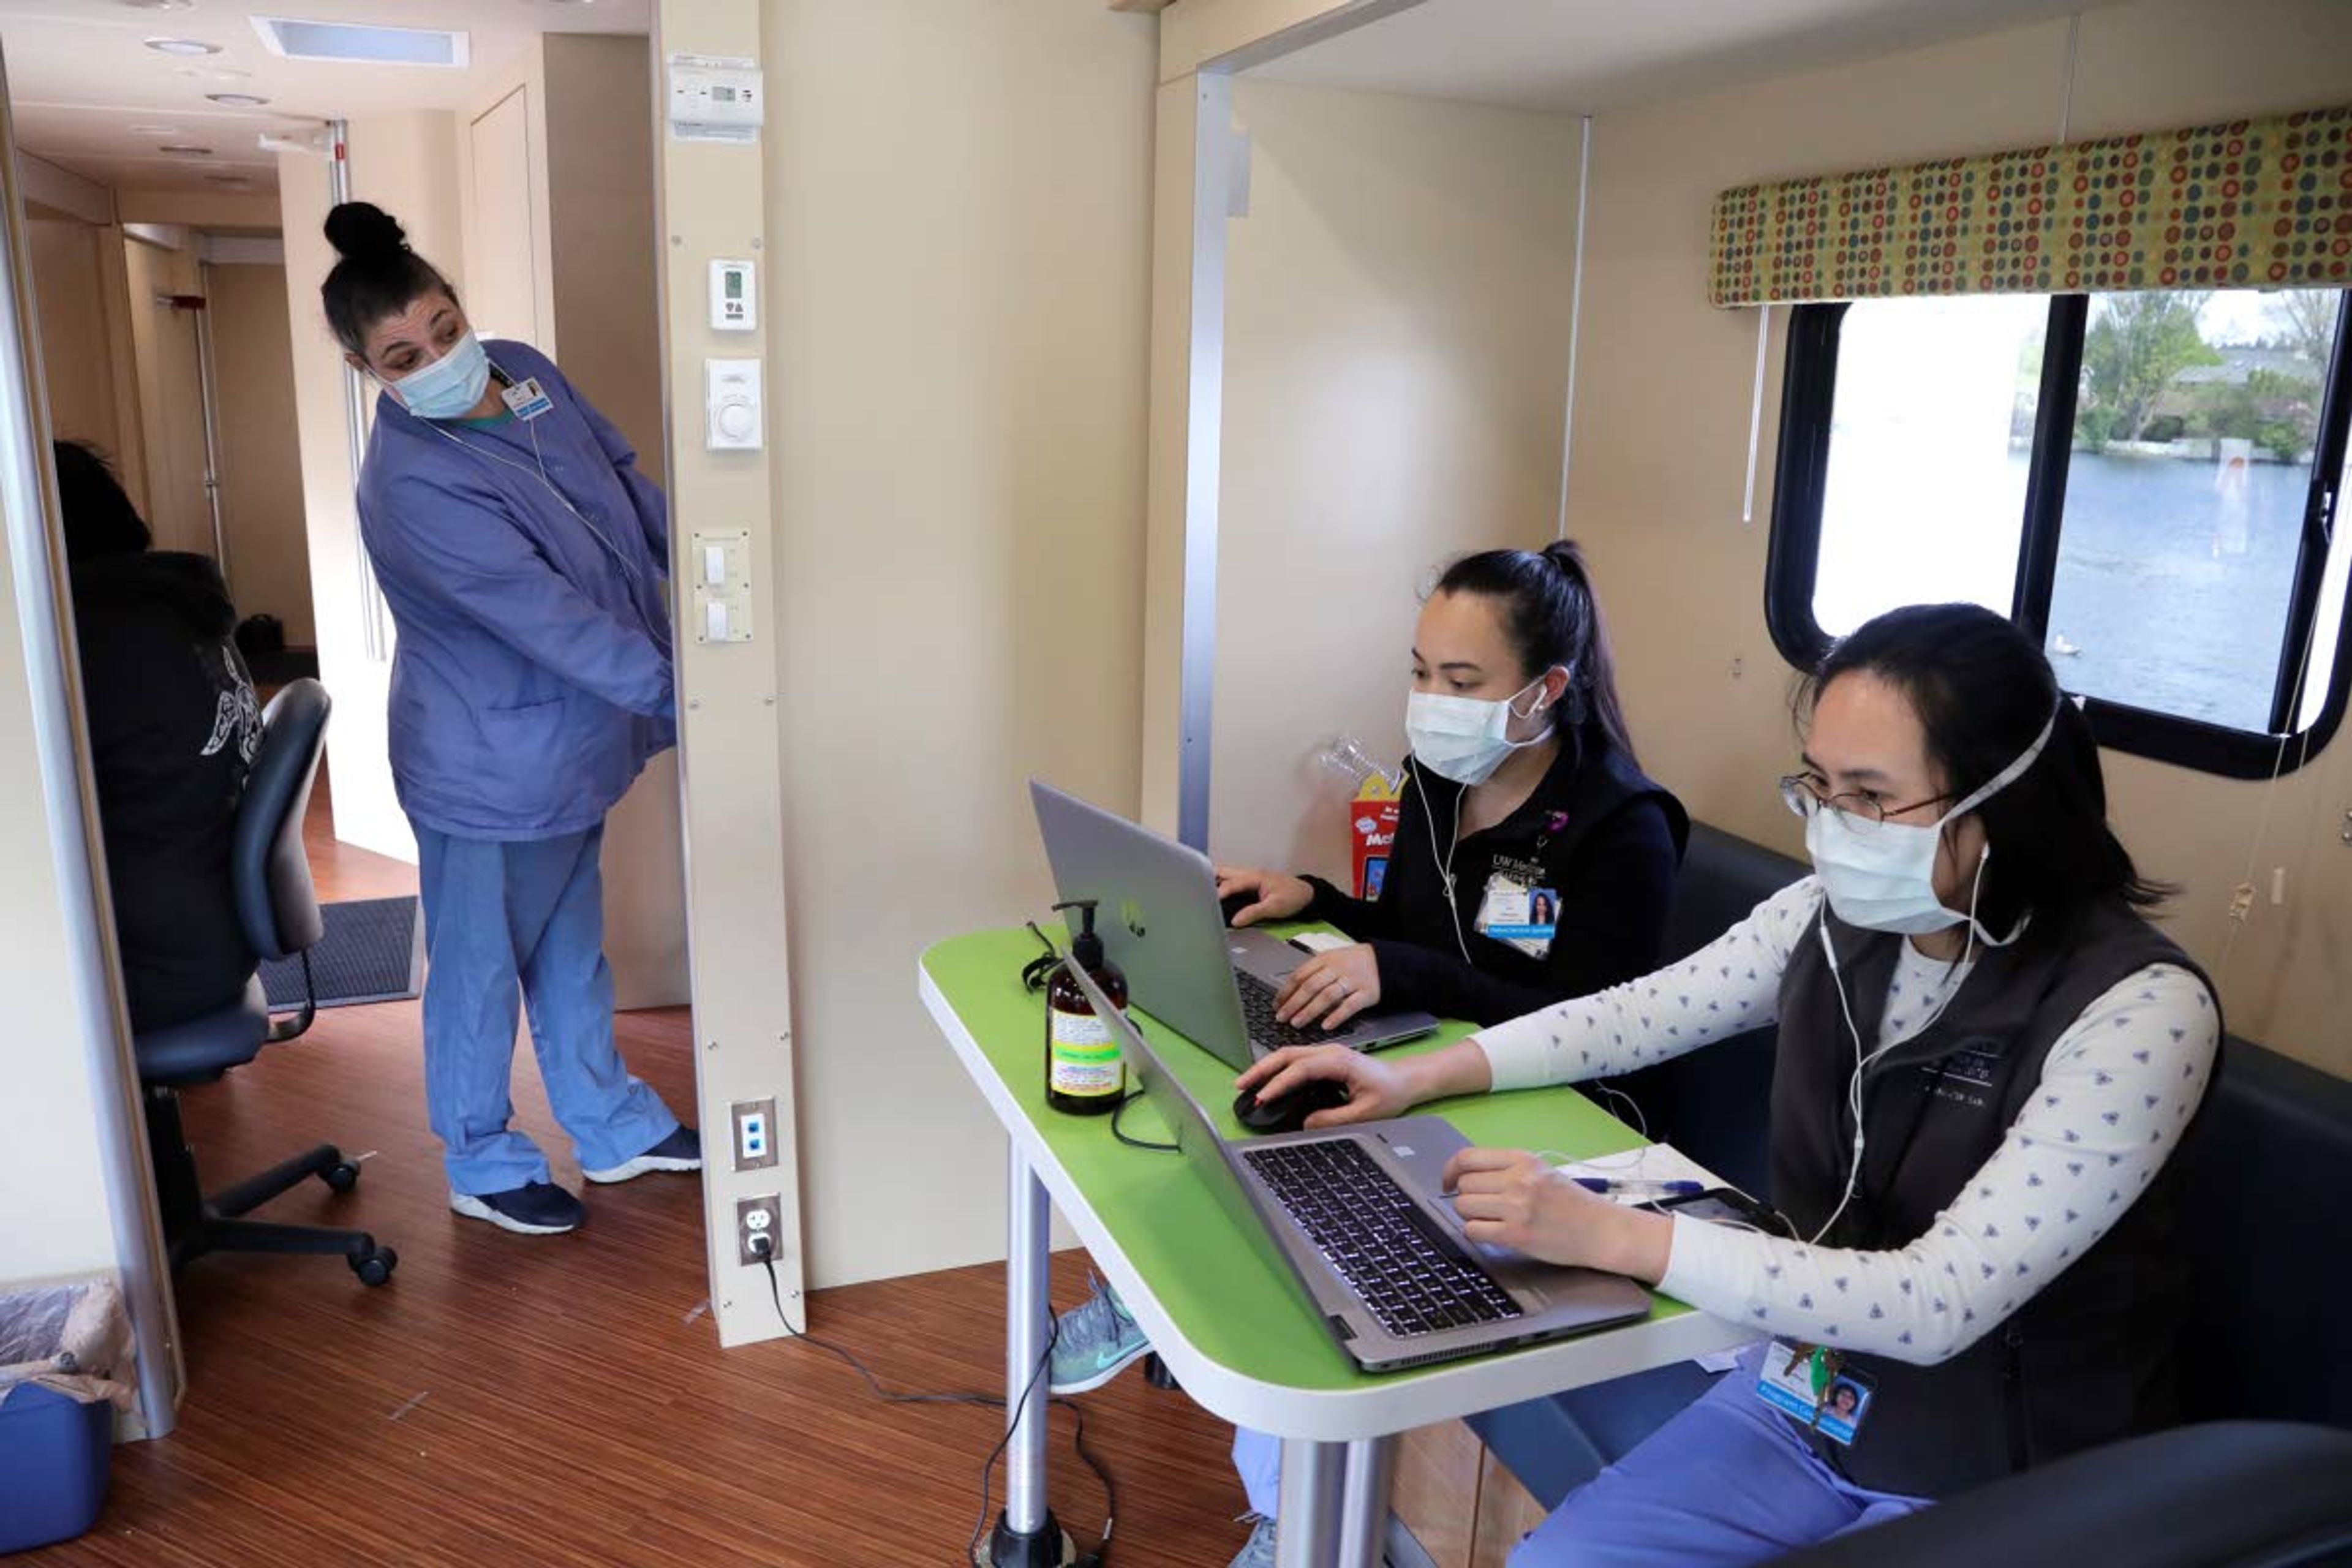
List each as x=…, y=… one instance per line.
x=1116, y=1132
x=765, y=1249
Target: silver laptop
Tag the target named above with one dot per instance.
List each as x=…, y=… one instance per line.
x=1360, y=1217
x=1161, y=923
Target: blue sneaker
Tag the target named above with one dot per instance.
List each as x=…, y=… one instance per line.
x=535, y=1208
x=1258, y=1551
x=681, y=1150
x=1096, y=1341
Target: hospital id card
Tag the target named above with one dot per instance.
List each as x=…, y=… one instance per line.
x=1812, y=1385
x=526, y=400
x=1528, y=918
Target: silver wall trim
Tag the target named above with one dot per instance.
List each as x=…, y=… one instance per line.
x=1217, y=149
x=71, y=807
x=373, y=637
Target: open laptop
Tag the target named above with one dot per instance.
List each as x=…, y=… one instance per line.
x=1161, y=922
x=1358, y=1215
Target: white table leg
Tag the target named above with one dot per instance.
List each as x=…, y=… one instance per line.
x=1370, y=1465
x=1027, y=1532
x=1309, y=1510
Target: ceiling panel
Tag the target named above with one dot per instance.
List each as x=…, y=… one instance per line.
x=89, y=96
x=1581, y=55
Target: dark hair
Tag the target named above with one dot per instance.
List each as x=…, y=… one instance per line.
x=1552, y=619
x=378, y=276
x=1982, y=691
x=99, y=517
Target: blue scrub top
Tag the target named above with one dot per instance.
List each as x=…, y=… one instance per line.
x=531, y=678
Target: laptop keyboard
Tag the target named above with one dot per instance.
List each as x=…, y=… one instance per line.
x=1416, y=1278
x=1257, y=1017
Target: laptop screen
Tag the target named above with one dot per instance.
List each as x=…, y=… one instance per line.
x=1188, y=1120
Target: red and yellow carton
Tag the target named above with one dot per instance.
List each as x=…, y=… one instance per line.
x=1373, y=829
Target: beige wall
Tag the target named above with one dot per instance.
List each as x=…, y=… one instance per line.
x=958, y=276
x=76, y=357
x=1396, y=338
x=406, y=165
x=1661, y=441
x=171, y=394
x=261, y=469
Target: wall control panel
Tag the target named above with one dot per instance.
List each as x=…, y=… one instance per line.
x=734, y=306
x=736, y=422
x=719, y=568
x=715, y=99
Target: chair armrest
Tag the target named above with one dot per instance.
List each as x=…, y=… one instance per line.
x=2228, y=1492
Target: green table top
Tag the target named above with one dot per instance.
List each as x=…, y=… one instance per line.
x=1226, y=1292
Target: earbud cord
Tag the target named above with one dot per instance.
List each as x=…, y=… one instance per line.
x=1445, y=860
x=1861, y=1061
x=627, y=566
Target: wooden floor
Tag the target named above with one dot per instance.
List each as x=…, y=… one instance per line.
x=564, y=1401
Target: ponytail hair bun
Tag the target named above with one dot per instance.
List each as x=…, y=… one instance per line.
x=361, y=231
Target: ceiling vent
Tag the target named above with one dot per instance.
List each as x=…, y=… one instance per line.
x=351, y=44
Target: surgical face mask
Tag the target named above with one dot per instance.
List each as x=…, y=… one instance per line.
x=1880, y=875
x=1465, y=739
x=449, y=386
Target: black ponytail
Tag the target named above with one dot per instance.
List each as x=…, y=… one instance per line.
x=378, y=275
x=1552, y=617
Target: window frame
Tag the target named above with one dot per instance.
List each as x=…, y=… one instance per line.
x=1808, y=400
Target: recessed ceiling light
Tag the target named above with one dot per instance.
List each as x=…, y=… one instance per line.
x=183, y=150
x=155, y=130
x=161, y=4
x=237, y=100
x=214, y=73
x=182, y=46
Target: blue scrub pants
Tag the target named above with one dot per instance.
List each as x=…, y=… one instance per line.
x=1725, y=1484
x=511, y=923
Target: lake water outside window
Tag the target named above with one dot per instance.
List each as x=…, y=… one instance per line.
x=2185, y=497
x=2186, y=484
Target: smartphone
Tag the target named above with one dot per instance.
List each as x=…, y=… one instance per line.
x=1726, y=1205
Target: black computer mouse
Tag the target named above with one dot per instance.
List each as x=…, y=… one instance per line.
x=1289, y=1113
x=1234, y=903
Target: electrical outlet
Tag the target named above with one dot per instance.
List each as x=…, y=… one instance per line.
x=760, y=1216
x=755, y=1134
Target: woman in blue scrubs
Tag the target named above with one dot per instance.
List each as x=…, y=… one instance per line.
x=524, y=560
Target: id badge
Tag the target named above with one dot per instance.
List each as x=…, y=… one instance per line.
x=525, y=400
x=1528, y=918
x=1812, y=1385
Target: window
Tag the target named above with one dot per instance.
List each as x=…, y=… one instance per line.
x=2147, y=482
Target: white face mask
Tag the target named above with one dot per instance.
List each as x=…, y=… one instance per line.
x=1465, y=739
x=1882, y=876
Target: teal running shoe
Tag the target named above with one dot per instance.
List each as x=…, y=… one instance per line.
x=1096, y=1340
x=1258, y=1551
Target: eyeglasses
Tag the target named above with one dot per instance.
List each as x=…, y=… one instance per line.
x=1802, y=794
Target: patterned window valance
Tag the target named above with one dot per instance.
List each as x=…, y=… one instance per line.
x=2253, y=204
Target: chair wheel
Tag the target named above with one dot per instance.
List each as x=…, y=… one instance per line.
x=376, y=1268
x=343, y=1177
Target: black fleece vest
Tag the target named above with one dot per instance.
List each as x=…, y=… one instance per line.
x=2084, y=1358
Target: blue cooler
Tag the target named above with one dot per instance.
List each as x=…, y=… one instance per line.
x=54, y=1453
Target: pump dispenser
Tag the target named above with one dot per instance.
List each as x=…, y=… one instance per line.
x=1085, y=1074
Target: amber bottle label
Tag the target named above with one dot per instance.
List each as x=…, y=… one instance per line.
x=1085, y=1058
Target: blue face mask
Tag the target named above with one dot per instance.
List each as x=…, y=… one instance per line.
x=450, y=386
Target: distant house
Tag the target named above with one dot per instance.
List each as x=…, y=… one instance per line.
x=2238, y=365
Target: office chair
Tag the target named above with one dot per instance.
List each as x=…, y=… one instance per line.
x=279, y=908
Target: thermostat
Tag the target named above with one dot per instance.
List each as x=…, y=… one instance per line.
x=732, y=404
x=732, y=297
